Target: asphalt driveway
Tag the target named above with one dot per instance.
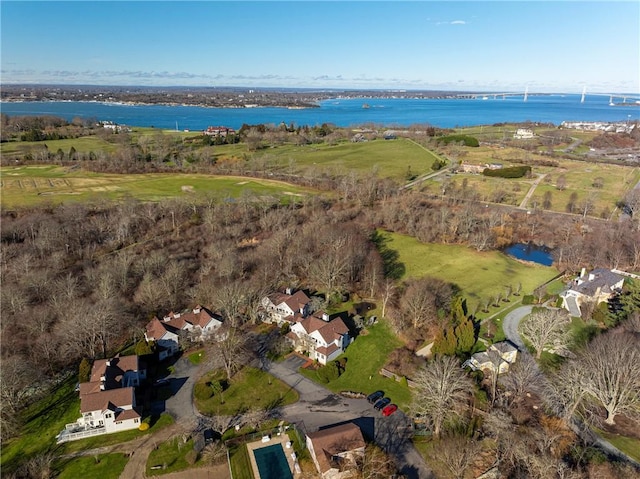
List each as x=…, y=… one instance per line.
x=318, y=407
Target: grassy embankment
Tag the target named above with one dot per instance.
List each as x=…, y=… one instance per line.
x=27, y=185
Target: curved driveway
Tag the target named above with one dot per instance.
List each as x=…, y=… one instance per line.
x=512, y=321
x=319, y=407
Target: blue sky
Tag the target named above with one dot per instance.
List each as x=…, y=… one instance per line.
x=493, y=46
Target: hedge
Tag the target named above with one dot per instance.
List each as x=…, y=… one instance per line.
x=509, y=172
x=464, y=139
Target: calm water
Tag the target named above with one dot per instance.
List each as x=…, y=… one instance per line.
x=347, y=112
x=527, y=252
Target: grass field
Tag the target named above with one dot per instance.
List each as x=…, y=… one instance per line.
x=365, y=357
x=250, y=388
x=26, y=185
x=388, y=158
x=104, y=466
x=480, y=275
x=578, y=175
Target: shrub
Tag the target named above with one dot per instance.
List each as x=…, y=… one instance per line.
x=142, y=348
x=84, y=371
x=509, y=172
x=143, y=426
x=328, y=373
x=202, y=391
x=527, y=299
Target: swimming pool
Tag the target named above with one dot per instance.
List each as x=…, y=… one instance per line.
x=272, y=463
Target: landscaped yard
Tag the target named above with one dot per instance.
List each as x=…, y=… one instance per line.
x=628, y=445
x=170, y=455
x=25, y=185
x=365, y=357
x=43, y=421
x=103, y=466
x=480, y=275
x=250, y=388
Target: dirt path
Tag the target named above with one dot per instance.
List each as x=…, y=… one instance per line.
x=529, y=194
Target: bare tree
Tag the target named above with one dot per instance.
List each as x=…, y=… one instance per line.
x=546, y=327
x=456, y=454
x=524, y=376
x=441, y=388
x=374, y=464
x=611, y=375
x=228, y=350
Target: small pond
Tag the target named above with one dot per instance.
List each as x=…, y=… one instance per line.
x=530, y=252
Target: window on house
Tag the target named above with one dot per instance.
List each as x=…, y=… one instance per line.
x=136, y=420
x=108, y=416
x=118, y=422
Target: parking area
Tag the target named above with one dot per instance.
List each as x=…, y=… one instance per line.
x=295, y=361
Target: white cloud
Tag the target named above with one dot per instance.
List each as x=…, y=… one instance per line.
x=458, y=22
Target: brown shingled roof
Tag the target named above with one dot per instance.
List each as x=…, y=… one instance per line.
x=335, y=440
x=155, y=329
x=103, y=400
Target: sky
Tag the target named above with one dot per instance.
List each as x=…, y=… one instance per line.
x=542, y=46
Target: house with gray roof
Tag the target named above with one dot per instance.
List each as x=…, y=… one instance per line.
x=597, y=287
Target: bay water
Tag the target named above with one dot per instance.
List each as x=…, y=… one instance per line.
x=349, y=112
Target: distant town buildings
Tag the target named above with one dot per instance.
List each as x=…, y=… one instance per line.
x=618, y=127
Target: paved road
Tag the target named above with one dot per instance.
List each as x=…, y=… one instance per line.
x=532, y=189
x=320, y=407
x=512, y=321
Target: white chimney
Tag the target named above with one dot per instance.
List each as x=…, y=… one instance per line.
x=325, y=317
x=583, y=272
x=288, y=291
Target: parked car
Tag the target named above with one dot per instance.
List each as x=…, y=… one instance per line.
x=208, y=436
x=375, y=397
x=389, y=410
x=381, y=403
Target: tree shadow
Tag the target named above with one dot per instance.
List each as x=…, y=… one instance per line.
x=392, y=266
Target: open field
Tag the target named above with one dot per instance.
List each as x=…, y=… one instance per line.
x=579, y=178
x=27, y=185
x=388, y=158
x=105, y=466
x=480, y=275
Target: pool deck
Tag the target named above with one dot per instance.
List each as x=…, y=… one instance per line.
x=281, y=439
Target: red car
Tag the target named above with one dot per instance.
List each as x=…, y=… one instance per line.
x=389, y=410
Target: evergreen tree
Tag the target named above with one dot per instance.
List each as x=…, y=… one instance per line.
x=465, y=336
x=84, y=371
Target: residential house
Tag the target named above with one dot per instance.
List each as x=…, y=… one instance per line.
x=198, y=324
x=217, y=131
x=596, y=287
x=286, y=307
x=498, y=358
x=323, y=338
x=334, y=450
x=108, y=400
x=523, y=134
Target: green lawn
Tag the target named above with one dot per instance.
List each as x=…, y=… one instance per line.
x=27, y=185
x=250, y=388
x=196, y=357
x=479, y=275
x=628, y=445
x=365, y=357
x=240, y=463
x=104, y=466
x=171, y=455
x=43, y=420
x=388, y=158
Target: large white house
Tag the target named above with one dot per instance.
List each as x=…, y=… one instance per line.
x=286, y=307
x=323, y=338
x=334, y=450
x=197, y=324
x=108, y=400
x=598, y=286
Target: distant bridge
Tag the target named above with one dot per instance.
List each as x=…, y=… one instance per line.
x=615, y=99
